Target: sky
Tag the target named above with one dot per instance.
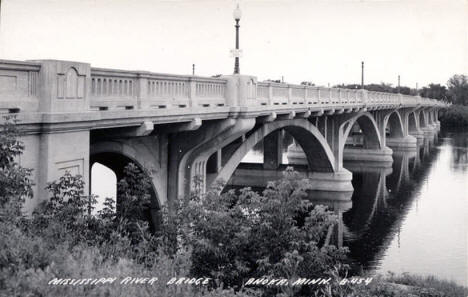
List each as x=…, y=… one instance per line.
x=301, y=40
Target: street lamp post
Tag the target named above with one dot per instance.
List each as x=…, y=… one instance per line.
x=237, y=15
x=362, y=75
x=398, y=83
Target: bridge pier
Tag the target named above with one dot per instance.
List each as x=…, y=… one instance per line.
x=372, y=155
x=57, y=146
x=254, y=176
x=51, y=155
x=273, y=150
x=407, y=142
x=425, y=123
x=400, y=136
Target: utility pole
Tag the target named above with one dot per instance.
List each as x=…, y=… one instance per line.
x=362, y=75
x=398, y=83
x=193, y=69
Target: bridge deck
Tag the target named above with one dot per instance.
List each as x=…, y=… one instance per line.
x=51, y=92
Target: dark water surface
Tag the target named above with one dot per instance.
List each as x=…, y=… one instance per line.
x=418, y=222
x=412, y=215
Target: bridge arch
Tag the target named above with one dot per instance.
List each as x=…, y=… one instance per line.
x=368, y=125
x=422, y=119
x=412, y=122
x=319, y=155
x=115, y=155
x=395, y=123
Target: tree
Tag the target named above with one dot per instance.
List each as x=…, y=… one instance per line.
x=278, y=233
x=15, y=182
x=458, y=89
x=434, y=91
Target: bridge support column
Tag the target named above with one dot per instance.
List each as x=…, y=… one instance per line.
x=412, y=122
x=407, y=142
x=339, y=181
x=436, y=118
x=319, y=181
x=399, y=137
x=50, y=155
x=273, y=150
x=425, y=124
x=363, y=154
x=59, y=147
x=62, y=152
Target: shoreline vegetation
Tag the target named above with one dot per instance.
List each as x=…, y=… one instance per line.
x=226, y=238
x=456, y=116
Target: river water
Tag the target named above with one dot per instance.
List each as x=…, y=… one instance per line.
x=410, y=216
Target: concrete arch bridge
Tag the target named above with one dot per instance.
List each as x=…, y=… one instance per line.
x=179, y=127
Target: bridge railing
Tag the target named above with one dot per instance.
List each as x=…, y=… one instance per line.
x=281, y=94
x=19, y=86
x=272, y=93
x=65, y=86
x=116, y=89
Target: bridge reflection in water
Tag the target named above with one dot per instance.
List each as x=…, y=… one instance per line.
x=371, y=215
x=381, y=200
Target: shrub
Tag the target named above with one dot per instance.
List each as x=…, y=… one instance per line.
x=15, y=183
x=455, y=116
x=277, y=234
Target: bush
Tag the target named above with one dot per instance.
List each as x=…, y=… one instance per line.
x=454, y=116
x=15, y=183
x=276, y=234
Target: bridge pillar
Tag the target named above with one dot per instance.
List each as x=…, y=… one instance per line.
x=62, y=94
x=372, y=155
x=373, y=148
x=433, y=118
x=340, y=180
x=413, y=123
x=425, y=123
x=273, y=150
x=436, y=118
x=399, y=137
x=333, y=129
x=50, y=155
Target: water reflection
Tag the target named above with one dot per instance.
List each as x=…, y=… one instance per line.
x=402, y=217
x=380, y=201
x=408, y=231
x=459, y=145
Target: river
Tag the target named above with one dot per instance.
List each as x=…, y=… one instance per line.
x=421, y=226
x=413, y=216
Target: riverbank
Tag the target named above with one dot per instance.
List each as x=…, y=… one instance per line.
x=425, y=285
x=403, y=285
x=454, y=116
